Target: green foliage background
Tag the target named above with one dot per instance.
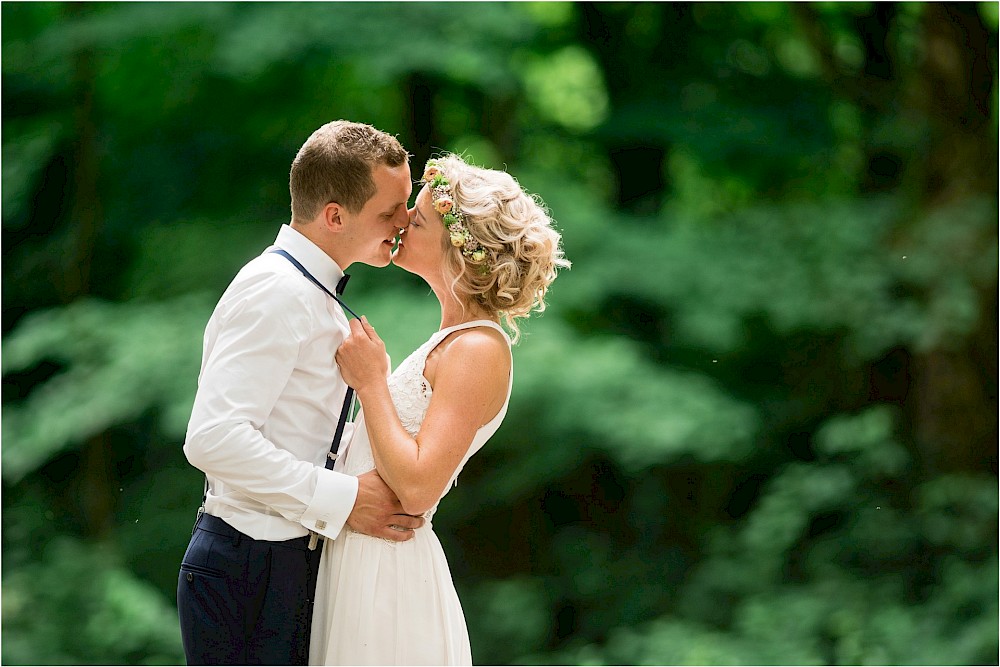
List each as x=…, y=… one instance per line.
x=757, y=424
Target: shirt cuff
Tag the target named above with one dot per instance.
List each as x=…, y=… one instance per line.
x=331, y=504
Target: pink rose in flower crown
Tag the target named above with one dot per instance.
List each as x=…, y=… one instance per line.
x=430, y=171
x=444, y=204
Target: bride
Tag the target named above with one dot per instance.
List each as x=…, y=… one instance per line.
x=489, y=252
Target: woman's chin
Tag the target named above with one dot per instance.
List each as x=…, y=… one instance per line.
x=402, y=263
x=397, y=260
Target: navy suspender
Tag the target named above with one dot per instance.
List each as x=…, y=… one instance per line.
x=315, y=282
x=331, y=457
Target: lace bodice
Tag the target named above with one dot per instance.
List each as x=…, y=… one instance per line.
x=411, y=395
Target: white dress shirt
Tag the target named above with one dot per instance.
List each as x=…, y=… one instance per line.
x=269, y=398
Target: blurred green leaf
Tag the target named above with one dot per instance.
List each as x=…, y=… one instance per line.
x=568, y=88
x=106, y=616
x=756, y=424
x=120, y=360
x=869, y=438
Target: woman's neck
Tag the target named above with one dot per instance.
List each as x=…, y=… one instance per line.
x=455, y=312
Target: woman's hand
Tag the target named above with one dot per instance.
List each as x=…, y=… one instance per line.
x=362, y=357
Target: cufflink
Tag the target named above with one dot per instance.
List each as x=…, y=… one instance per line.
x=321, y=525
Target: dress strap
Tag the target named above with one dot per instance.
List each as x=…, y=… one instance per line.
x=469, y=325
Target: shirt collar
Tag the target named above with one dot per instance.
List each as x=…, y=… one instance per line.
x=310, y=255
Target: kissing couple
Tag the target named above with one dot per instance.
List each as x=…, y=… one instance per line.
x=307, y=551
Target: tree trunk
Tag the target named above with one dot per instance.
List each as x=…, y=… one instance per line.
x=954, y=398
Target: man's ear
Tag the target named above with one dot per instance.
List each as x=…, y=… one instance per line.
x=333, y=217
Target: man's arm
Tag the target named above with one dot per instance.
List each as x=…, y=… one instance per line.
x=245, y=370
x=378, y=511
x=260, y=330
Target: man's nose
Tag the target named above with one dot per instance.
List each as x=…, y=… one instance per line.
x=402, y=218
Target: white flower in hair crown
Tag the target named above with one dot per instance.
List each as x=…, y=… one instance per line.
x=451, y=214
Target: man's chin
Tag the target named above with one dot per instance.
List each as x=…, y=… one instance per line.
x=380, y=260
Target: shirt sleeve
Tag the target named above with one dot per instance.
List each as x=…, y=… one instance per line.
x=260, y=326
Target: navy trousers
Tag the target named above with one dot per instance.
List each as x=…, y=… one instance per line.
x=243, y=601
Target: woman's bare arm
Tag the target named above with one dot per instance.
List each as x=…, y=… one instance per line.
x=470, y=383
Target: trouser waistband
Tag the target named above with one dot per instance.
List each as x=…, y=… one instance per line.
x=213, y=524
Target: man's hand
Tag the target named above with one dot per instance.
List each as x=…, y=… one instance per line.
x=377, y=511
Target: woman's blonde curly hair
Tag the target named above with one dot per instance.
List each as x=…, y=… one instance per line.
x=523, y=249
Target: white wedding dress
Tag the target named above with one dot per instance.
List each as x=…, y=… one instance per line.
x=394, y=603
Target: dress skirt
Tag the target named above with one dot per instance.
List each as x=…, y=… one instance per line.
x=387, y=603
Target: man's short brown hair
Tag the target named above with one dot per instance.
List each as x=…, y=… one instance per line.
x=335, y=165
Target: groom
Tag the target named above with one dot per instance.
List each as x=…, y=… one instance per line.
x=268, y=405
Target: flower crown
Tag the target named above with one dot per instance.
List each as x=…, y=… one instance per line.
x=451, y=214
